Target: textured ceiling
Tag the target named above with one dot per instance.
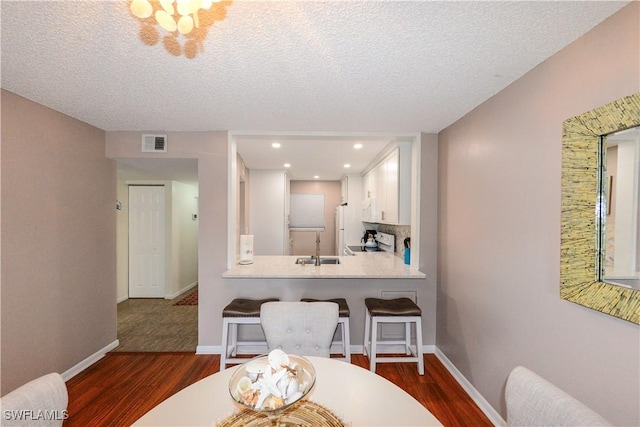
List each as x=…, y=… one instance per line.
x=394, y=67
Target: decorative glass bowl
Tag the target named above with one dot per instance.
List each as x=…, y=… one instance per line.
x=271, y=384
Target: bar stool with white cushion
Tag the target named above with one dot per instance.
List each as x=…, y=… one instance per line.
x=240, y=311
x=398, y=310
x=343, y=323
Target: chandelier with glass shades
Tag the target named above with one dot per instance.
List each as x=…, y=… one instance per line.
x=181, y=15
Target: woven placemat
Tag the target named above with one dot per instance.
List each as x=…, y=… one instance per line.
x=303, y=413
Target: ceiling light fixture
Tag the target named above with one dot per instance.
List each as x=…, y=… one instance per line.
x=182, y=17
x=181, y=25
x=287, y=165
x=347, y=165
x=276, y=145
x=316, y=177
x=357, y=146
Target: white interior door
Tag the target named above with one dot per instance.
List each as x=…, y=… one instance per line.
x=146, y=241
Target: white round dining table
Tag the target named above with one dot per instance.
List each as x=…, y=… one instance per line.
x=359, y=397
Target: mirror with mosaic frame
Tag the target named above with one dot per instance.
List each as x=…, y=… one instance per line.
x=619, y=226
x=583, y=209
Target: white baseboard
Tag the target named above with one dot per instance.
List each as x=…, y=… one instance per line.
x=167, y=296
x=428, y=349
x=75, y=370
x=484, y=406
x=209, y=349
x=181, y=291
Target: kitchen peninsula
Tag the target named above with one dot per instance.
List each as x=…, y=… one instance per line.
x=363, y=265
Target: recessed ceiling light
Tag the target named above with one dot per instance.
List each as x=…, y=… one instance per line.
x=357, y=146
x=287, y=165
x=316, y=177
x=347, y=165
x=275, y=145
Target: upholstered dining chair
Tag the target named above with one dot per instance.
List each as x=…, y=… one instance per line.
x=301, y=328
x=41, y=402
x=533, y=401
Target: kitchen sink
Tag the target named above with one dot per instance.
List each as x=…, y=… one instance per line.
x=312, y=260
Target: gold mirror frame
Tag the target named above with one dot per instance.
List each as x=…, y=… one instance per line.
x=580, y=146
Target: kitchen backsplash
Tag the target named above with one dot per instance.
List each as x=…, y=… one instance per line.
x=400, y=231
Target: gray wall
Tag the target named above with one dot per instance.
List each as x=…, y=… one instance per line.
x=58, y=242
x=499, y=242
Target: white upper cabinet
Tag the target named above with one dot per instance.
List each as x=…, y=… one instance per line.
x=389, y=183
x=369, y=184
x=351, y=190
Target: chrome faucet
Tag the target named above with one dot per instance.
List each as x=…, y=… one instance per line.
x=317, y=248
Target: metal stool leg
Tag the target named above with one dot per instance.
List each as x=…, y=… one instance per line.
x=419, y=346
x=367, y=326
x=342, y=342
x=374, y=341
x=234, y=339
x=407, y=338
x=346, y=339
x=225, y=344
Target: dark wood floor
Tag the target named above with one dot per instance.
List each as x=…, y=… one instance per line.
x=121, y=387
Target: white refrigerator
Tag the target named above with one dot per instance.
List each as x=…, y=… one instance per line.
x=349, y=229
x=339, y=250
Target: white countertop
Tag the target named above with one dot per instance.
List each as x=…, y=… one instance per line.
x=377, y=265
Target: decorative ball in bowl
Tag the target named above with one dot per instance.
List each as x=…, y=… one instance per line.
x=272, y=383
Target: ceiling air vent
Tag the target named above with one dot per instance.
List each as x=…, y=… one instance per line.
x=154, y=143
